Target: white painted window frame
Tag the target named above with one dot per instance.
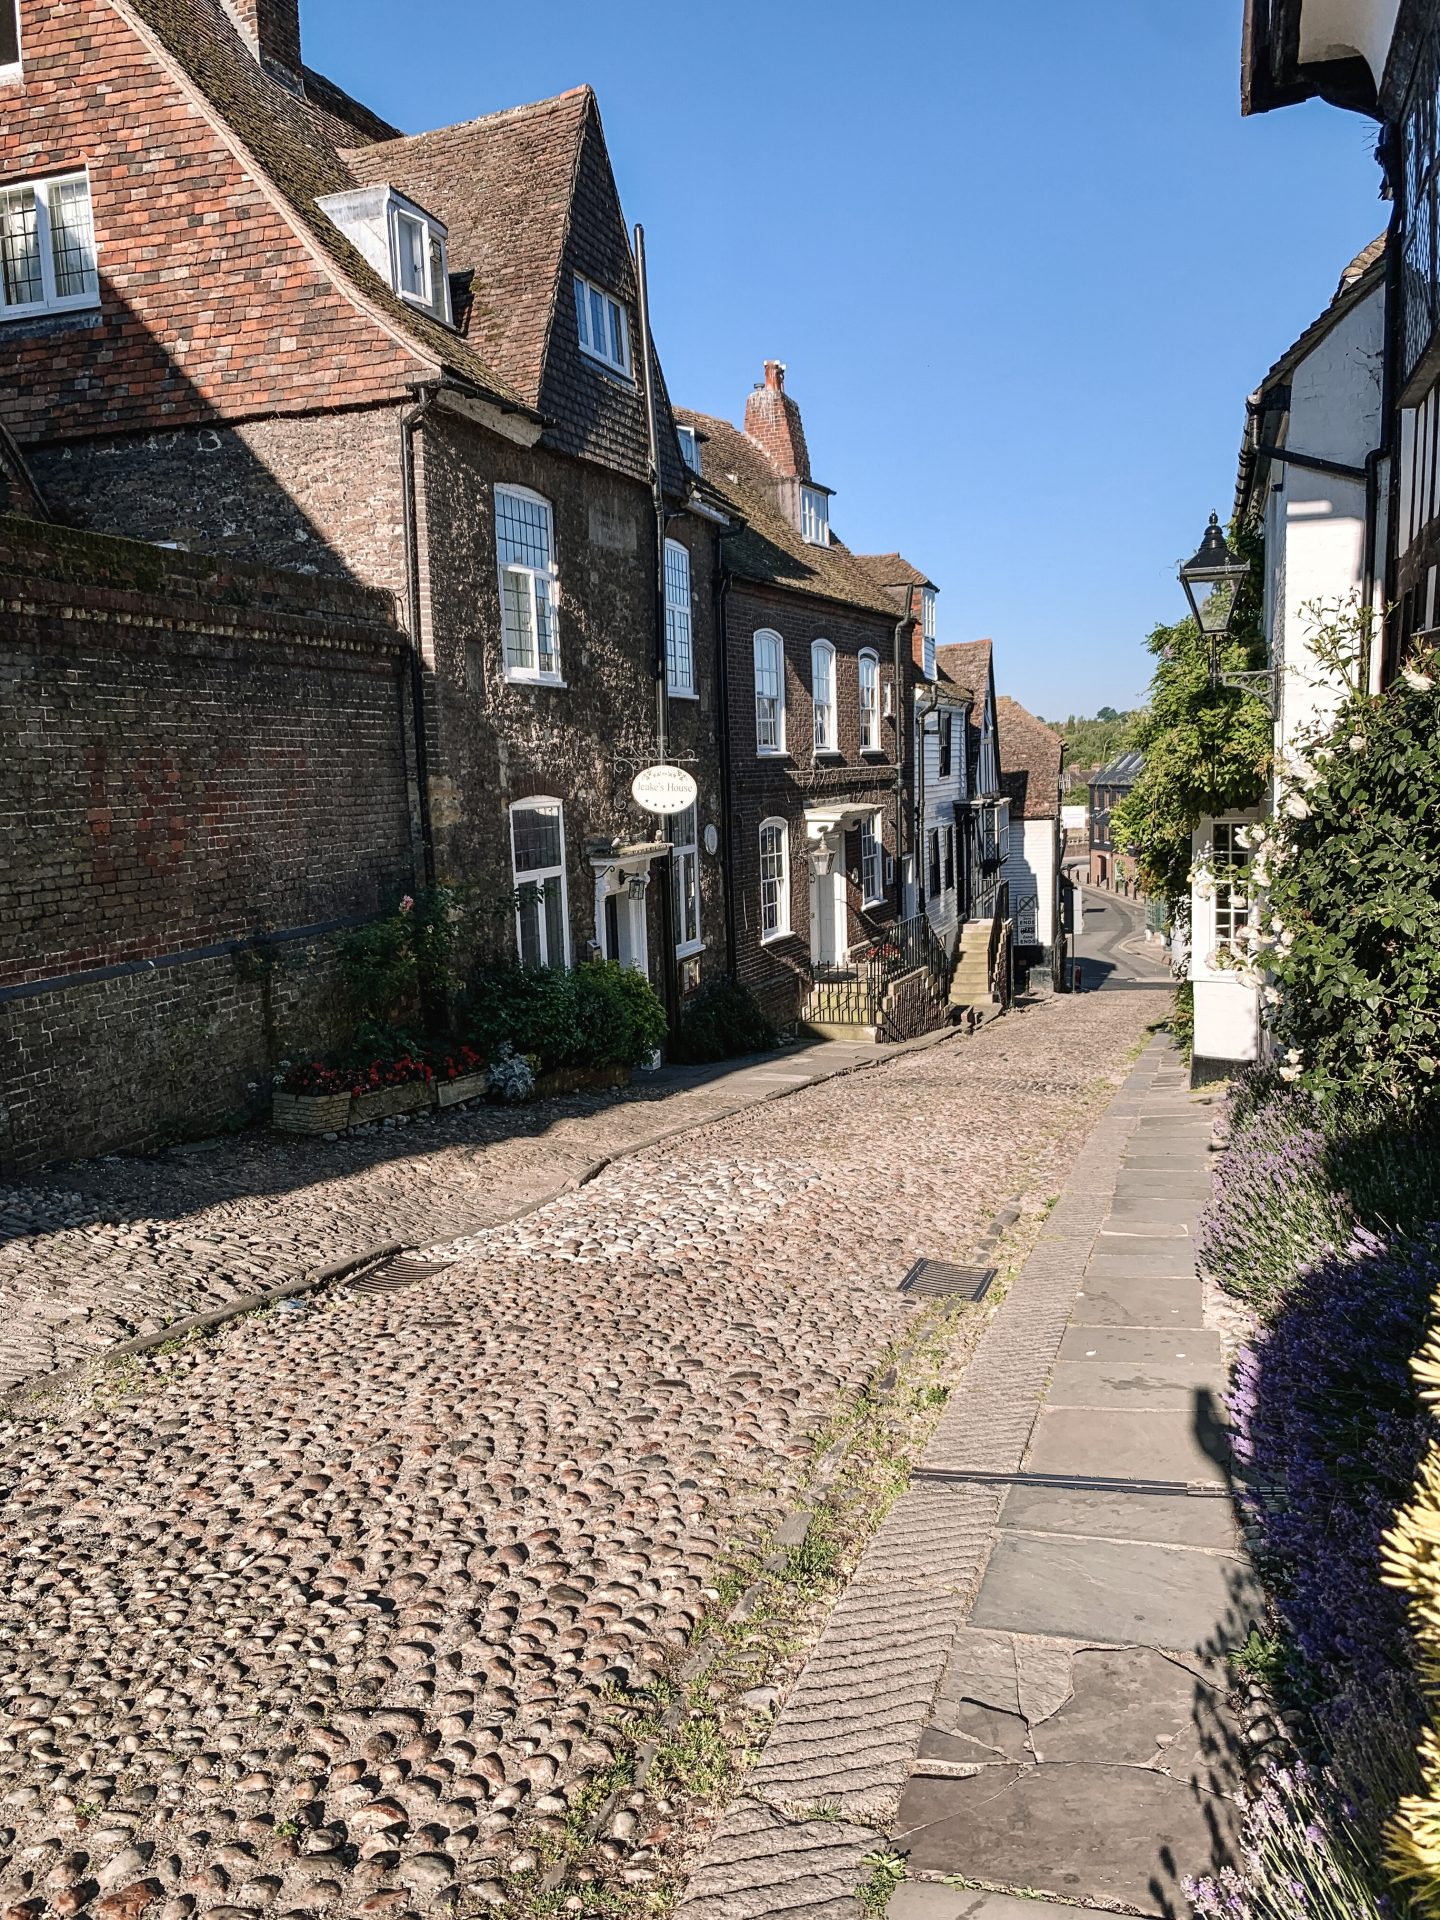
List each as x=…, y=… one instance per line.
x=537, y=675
x=927, y=630
x=1235, y=861
x=11, y=69
x=685, y=880
x=50, y=301
x=689, y=447
x=868, y=671
x=434, y=296
x=764, y=638
x=542, y=877
x=779, y=880
x=585, y=326
x=679, y=619
x=872, y=862
x=814, y=517
x=822, y=672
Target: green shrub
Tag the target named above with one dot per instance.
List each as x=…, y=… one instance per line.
x=1182, y=1020
x=599, y=1015
x=722, y=1020
x=1351, y=919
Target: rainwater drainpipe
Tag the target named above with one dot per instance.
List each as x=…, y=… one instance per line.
x=409, y=423
x=722, y=674
x=669, y=972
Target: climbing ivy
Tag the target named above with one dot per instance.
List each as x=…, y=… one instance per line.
x=1207, y=747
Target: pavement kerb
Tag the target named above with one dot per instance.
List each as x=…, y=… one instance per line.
x=42, y=1383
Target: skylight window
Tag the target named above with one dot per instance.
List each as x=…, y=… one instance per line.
x=814, y=517
x=604, y=326
x=9, y=38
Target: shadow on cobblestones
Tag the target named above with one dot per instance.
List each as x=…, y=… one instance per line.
x=330, y=1611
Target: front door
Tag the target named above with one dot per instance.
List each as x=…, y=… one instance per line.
x=625, y=928
x=827, y=917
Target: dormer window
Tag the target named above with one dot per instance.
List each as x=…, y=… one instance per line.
x=814, y=517
x=47, y=247
x=418, y=253
x=604, y=326
x=689, y=447
x=405, y=245
x=927, y=629
x=9, y=39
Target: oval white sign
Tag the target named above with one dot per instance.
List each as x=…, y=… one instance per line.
x=664, y=789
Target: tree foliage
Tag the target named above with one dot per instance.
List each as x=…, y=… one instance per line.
x=1350, y=925
x=1207, y=746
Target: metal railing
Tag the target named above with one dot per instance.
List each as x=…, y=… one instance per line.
x=853, y=991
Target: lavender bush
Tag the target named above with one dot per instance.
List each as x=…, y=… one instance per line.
x=1301, y=1861
x=1328, y=1435
x=1273, y=1209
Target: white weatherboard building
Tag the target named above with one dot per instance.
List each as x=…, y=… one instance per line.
x=1312, y=426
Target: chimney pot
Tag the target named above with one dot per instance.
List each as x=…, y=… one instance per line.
x=775, y=375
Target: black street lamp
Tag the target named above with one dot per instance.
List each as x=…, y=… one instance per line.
x=1212, y=584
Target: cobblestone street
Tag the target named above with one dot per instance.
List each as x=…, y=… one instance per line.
x=320, y=1613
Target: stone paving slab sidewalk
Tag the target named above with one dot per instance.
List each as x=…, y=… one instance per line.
x=334, y=1612
x=1025, y=1687
x=104, y=1250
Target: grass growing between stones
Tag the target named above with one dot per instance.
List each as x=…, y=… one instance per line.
x=687, y=1739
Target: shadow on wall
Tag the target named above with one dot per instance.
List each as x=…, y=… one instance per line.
x=232, y=491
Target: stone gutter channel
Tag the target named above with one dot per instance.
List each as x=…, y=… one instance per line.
x=74, y=1378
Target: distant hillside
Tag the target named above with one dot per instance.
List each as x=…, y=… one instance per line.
x=1091, y=741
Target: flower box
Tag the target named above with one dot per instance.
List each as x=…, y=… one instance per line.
x=409, y=1097
x=310, y=1112
x=575, y=1079
x=467, y=1086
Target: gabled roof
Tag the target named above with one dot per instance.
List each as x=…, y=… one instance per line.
x=894, y=573
x=18, y=492
x=966, y=664
x=503, y=186
x=1032, y=755
x=1267, y=406
x=292, y=146
x=770, y=550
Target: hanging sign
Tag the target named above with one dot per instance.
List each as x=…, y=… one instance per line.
x=664, y=789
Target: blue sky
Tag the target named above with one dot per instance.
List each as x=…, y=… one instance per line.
x=1023, y=263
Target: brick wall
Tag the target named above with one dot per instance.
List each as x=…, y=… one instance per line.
x=192, y=754
x=781, y=787
x=211, y=302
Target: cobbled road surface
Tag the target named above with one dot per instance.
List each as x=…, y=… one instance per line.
x=321, y=1614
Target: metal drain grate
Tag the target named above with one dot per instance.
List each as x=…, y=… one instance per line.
x=928, y=1279
x=400, y=1270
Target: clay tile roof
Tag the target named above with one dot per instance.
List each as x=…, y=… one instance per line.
x=966, y=665
x=503, y=187
x=1031, y=754
x=292, y=146
x=770, y=550
x=893, y=570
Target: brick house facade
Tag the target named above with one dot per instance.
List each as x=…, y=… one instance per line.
x=819, y=670
x=301, y=340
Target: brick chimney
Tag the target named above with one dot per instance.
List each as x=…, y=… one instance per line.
x=271, y=30
x=772, y=421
